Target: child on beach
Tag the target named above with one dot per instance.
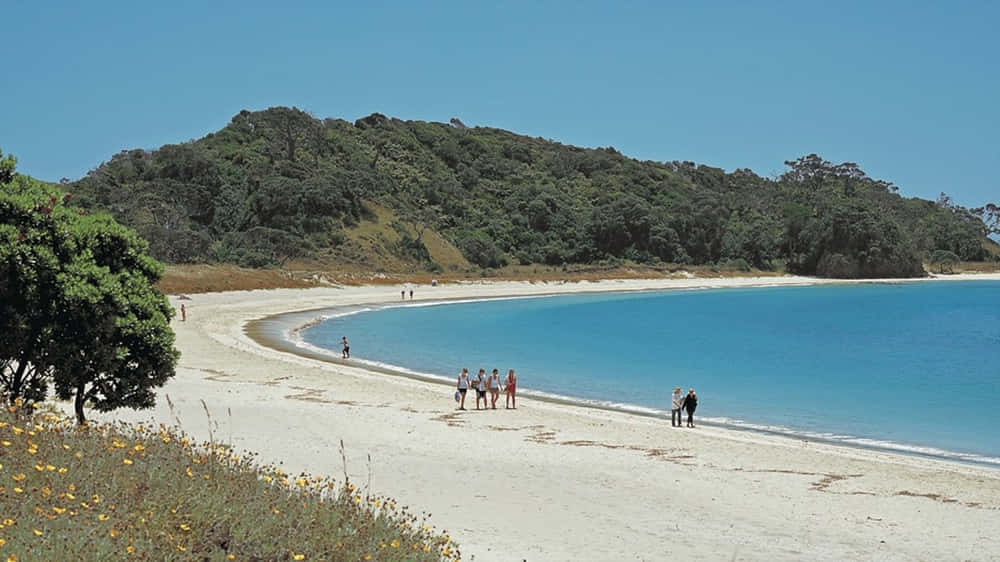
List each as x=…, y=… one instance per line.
x=463, y=386
x=676, y=405
x=494, y=388
x=346, y=353
x=510, y=387
x=481, y=388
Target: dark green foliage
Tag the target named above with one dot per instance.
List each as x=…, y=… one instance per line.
x=944, y=259
x=502, y=197
x=79, y=304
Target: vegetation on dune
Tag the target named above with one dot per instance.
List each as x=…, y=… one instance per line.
x=105, y=492
x=79, y=309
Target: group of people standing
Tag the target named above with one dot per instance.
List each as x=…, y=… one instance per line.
x=482, y=383
x=678, y=402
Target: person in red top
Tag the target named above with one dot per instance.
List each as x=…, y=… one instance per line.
x=510, y=387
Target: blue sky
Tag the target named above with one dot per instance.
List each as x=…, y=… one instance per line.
x=908, y=90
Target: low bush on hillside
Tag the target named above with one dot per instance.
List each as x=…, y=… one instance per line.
x=118, y=491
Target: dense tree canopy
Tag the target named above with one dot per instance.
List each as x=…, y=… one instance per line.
x=78, y=304
x=279, y=184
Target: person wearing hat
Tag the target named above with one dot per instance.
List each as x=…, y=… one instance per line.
x=676, y=404
x=691, y=404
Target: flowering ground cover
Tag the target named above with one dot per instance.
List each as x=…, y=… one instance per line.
x=117, y=491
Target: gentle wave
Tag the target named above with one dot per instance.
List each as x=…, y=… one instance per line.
x=841, y=439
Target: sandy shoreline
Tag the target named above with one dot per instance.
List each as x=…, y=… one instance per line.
x=559, y=482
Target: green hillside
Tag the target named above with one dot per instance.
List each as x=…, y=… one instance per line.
x=279, y=185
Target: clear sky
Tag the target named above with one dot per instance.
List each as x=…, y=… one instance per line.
x=908, y=90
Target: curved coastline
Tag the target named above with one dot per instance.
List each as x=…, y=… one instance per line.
x=281, y=332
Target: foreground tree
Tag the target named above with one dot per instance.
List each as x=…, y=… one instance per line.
x=80, y=308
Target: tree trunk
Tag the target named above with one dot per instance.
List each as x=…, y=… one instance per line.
x=78, y=403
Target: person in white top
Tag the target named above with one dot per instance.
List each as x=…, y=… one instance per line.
x=480, y=383
x=494, y=388
x=676, y=405
x=463, y=386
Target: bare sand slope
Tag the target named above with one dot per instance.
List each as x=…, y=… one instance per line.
x=556, y=482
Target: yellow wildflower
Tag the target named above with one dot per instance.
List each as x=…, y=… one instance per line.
x=299, y=557
x=368, y=556
x=18, y=490
x=188, y=472
x=40, y=467
x=395, y=543
x=16, y=430
x=70, y=496
x=71, y=487
x=62, y=470
x=59, y=510
x=5, y=443
x=36, y=532
x=126, y=461
x=139, y=448
x=181, y=548
x=8, y=522
x=130, y=549
x=103, y=517
x=12, y=558
x=65, y=446
x=301, y=482
x=2, y=542
x=231, y=557
x=18, y=477
x=185, y=527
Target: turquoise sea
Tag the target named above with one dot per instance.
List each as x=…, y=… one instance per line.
x=913, y=367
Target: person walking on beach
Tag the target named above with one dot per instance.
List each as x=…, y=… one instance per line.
x=411, y=294
x=463, y=386
x=494, y=388
x=691, y=404
x=481, y=388
x=510, y=388
x=402, y=294
x=346, y=353
x=184, y=313
x=676, y=405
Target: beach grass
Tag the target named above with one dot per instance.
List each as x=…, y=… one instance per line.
x=120, y=491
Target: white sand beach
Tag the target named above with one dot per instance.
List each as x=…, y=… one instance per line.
x=555, y=482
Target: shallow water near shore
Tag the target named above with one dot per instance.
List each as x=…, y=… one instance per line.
x=912, y=366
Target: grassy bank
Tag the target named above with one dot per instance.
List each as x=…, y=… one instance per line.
x=132, y=492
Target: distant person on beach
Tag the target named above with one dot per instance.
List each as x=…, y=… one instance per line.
x=463, y=386
x=346, y=353
x=494, y=388
x=184, y=313
x=510, y=387
x=676, y=405
x=402, y=294
x=481, y=388
x=691, y=404
x=411, y=294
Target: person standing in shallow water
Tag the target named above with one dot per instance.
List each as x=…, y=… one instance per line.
x=510, y=387
x=676, y=405
x=346, y=353
x=691, y=404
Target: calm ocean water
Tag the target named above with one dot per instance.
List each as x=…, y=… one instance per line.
x=911, y=366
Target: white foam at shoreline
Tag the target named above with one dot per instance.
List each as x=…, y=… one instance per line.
x=836, y=438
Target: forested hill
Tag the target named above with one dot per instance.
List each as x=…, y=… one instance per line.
x=280, y=184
